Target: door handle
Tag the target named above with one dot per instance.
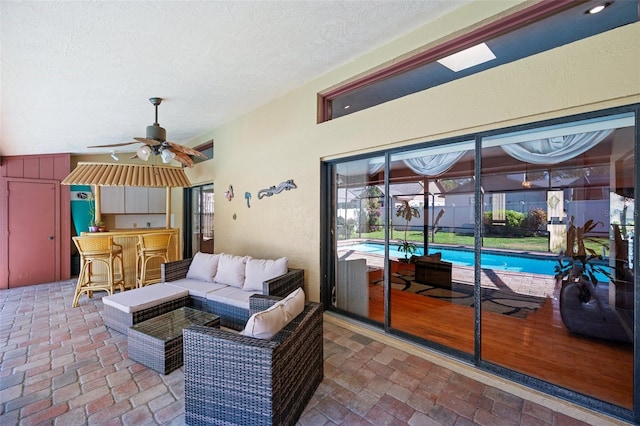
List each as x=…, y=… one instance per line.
x=50, y=238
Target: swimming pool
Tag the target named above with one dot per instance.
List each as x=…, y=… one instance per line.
x=462, y=257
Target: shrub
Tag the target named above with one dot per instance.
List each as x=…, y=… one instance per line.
x=514, y=224
x=514, y=221
x=536, y=219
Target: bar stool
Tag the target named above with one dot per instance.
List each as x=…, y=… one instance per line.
x=151, y=246
x=104, y=252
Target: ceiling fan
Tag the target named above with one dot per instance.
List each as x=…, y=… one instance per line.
x=156, y=143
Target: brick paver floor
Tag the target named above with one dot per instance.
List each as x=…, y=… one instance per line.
x=61, y=365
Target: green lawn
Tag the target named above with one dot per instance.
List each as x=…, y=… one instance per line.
x=538, y=244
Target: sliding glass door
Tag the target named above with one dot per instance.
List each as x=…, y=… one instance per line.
x=558, y=298
x=359, y=235
x=430, y=197
x=510, y=249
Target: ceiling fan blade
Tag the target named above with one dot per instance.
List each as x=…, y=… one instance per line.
x=134, y=156
x=112, y=145
x=183, y=158
x=148, y=141
x=186, y=150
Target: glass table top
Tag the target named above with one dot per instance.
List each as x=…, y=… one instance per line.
x=170, y=325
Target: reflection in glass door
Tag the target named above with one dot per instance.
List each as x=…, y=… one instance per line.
x=430, y=196
x=561, y=300
x=358, y=222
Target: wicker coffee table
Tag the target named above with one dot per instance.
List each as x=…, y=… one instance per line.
x=157, y=342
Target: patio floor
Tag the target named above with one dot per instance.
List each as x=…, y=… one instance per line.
x=61, y=365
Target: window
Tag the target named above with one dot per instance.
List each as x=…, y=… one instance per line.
x=543, y=26
x=207, y=149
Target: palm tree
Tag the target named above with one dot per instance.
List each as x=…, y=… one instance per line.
x=407, y=212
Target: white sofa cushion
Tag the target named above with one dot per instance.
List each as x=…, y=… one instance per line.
x=233, y=296
x=265, y=324
x=260, y=270
x=142, y=298
x=203, y=266
x=196, y=287
x=231, y=270
x=293, y=304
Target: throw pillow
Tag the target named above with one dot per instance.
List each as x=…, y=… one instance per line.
x=293, y=304
x=265, y=324
x=261, y=270
x=231, y=270
x=203, y=267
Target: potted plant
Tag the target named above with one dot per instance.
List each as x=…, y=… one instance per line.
x=580, y=263
x=93, y=226
x=102, y=227
x=407, y=212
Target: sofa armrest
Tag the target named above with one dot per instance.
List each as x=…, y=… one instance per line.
x=218, y=338
x=198, y=337
x=261, y=302
x=173, y=271
x=284, y=284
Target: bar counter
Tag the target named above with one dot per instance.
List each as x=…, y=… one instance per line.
x=128, y=238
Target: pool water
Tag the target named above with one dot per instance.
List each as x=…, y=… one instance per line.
x=504, y=262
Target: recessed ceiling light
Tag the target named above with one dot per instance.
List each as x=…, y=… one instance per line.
x=597, y=9
x=475, y=55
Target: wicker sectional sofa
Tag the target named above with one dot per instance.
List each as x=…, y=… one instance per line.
x=229, y=302
x=234, y=379
x=265, y=374
x=122, y=310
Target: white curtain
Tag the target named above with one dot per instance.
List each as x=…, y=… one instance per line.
x=556, y=149
x=433, y=165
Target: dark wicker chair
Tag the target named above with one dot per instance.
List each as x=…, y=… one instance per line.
x=231, y=379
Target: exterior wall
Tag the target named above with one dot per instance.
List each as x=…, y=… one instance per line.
x=282, y=140
x=51, y=168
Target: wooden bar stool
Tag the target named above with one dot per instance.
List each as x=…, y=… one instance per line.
x=151, y=246
x=99, y=250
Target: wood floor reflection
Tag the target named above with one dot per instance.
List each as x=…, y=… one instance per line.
x=538, y=346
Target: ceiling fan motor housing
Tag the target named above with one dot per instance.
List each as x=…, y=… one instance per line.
x=156, y=132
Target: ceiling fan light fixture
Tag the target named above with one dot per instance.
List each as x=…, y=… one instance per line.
x=156, y=132
x=167, y=156
x=144, y=152
x=156, y=144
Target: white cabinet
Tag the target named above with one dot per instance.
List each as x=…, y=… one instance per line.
x=112, y=199
x=144, y=200
x=132, y=199
x=136, y=199
x=157, y=200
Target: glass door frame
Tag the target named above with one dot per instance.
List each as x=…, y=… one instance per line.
x=187, y=217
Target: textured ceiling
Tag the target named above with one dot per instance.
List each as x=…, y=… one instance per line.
x=79, y=73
